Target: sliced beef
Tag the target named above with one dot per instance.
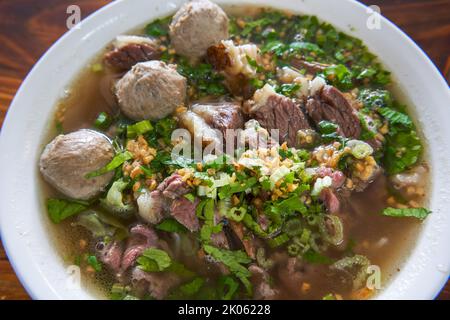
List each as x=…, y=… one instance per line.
x=183, y=210
x=331, y=105
x=329, y=196
x=337, y=177
x=311, y=67
x=173, y=187
x=157, y=284
x=330, y=200
x=110, y=254
x=221, y=116
x=261, y=283
x=240, y=86
x=155, y=205
x=218, y=56
x=141, y=237
x=125, y=57
x=282, y=113
x=152, y=206
x=247, y=239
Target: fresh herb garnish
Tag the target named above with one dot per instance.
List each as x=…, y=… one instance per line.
x=419, y=213
x=59, y=209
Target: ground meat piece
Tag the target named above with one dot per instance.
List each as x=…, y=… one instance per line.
x=129, y=50
x=280, y=112
x=151, y=90
x=261, y=283
x=183, y=210
x=196, y=26
x=157, y=284
x=221, y=116
x=173, y=187
x=331, y=105
x=68, y=158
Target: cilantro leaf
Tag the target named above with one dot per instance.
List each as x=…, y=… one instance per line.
x=316, y=258
x=403, y=149
x=228, y=190
x=191, y=288
x=139, y=128
x=94, y=263
x=171, y=225
x=234, y=261
x=419, y=213
x=159, y=27
x=154, y=260
x=395, y=117
x=59, y=209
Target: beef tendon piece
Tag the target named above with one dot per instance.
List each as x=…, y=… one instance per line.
x=196, y=26
x=275, y=111
x=199, y=129
x=330, y=104
x=151, y=90
x=233, y=62
x=221, y=115
x=130, y=50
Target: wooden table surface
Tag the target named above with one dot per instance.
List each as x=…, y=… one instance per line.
x=29, y=27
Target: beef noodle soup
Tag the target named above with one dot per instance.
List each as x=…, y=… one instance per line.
x=320, y=197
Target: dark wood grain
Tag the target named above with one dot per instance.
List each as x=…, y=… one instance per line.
x=29, y=27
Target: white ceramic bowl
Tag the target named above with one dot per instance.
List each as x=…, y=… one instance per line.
x=23, y=227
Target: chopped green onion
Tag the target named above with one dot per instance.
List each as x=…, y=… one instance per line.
x=359, y=149
x=279, y=240
x=236, y=214
x=338, y=229
x=139, y=128
x=103, y=121
x=261, y=259
x=293, y=227
x=117, y=161
x=293, y=249
x=94, y=263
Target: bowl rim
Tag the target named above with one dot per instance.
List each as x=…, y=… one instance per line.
x=17, y=262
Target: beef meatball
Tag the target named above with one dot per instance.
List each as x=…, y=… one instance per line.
x=150, y=90
x=196, y=26
x=68, y=158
